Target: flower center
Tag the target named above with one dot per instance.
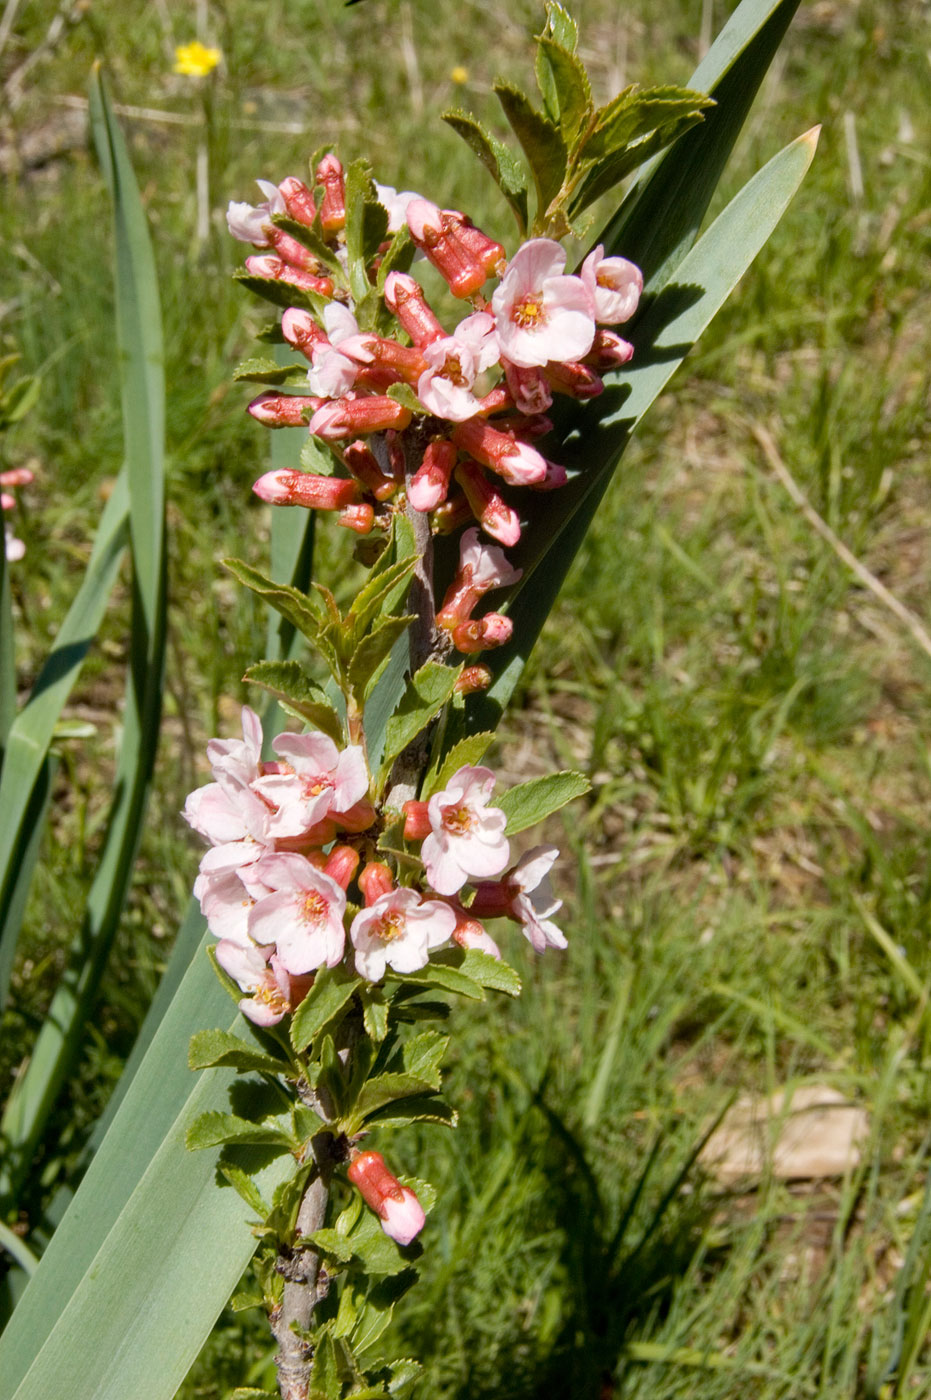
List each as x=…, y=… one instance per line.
x=271, y=995
x=457, y=820
x=452, y=370
x=529, y=313
x=312, y=787
x=390, y=926
x=314, y=908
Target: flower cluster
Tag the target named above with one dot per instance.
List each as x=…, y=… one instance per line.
x=289, y=838
x=445, y=420
x=15, y=476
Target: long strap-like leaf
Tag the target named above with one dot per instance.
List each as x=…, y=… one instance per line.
x=31, y=732
x=139, y=337
x=704, y=280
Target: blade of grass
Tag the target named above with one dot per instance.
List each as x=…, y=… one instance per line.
x=31, y=732
x=139, y=336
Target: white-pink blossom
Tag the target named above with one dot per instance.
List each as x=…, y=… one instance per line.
x=317, y=779
x=613, y=285
x=484, y=566
x=303, y=916
x=250, y=222
x=273, y=993
x=398, y=930
x=225, y=812
x=238, y=759
x=333, y=373
x=454, y=362
x=228, y=888
x=402, y=1215
x=467, y=835
x=540, y=314
x=532, y=899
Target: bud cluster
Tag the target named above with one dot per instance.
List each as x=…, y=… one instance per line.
x=462, y=428
x=294, y=845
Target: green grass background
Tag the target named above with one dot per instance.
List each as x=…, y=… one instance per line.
x=755, y=724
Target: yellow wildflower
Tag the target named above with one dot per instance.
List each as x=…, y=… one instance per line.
x=196, y=60
x=459, y=74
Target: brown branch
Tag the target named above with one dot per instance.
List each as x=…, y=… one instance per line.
x=302, y=1290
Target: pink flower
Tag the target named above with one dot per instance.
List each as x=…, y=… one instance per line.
x=613, y=285
x=226, y=812
x=397, y=1207
x=482, y=567
x=333, y=374
x=453, y=362
x=318, y=779
x=398, y=930
x=525, y=896
x=250, y=222
x=303, y=916
x=273, y=993
x=540, y=314
x=237, y=760
x=13, y=548
x=467, y=836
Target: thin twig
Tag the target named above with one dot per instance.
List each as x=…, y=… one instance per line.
x=879, y=590
x=301, y=1270
x=6, y=23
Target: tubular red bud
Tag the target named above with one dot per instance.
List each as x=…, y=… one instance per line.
x=273, y=269
x=301, y=330
x=17, y=476
x=363, y=464
x=576, y=380
x=398, y=1208
x=360, y=518
x=489, y=253
x=343, y=418
x=416, y=821
x=608, y=350
x=341, y=865
x=329, y=174
x=430, y=484
x=406, y=361
x=495, y=401
x=439, y=237
x=517, y=462
x=451, y=514
x=519, y=426
x=529, y=389
x=283, y=410
x=473, y=678
x=287, y=487
x=376, y=879
x=293, y=252
x=299, y=200
x=496, y=516
x=405, y=298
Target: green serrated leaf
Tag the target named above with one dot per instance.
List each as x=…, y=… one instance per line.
x=611, y=170
x=491, y=973
x=317, y=457
x=215, y=1129
x=325, y=1372
x=404, y=394
x=283, y=294
x=337, y=1246
x=427, y=692
x=243, y=1184
x=259, y=370
x=219, y=1048
x=306, y=1122
x=507, y=173
x=541, y=140
x=565, y=89
x=332, y=990
x=638, y=112
x=292, y=687
x=379, y=1255
x=380, y=593
x=561, y=26
x=530, y=802
x=373, y=651
x=467, y=751
x=383, y=1089
x=427, y=1108
x=423, y=1054
x=366, y=228
x=449, y=978
x=242, y=1302
x=376, y=1019
x=297, y=608
x=374, y=1314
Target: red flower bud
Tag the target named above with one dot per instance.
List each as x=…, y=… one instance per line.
x=287, y=487
x=329, y=174
x=400, y=1211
